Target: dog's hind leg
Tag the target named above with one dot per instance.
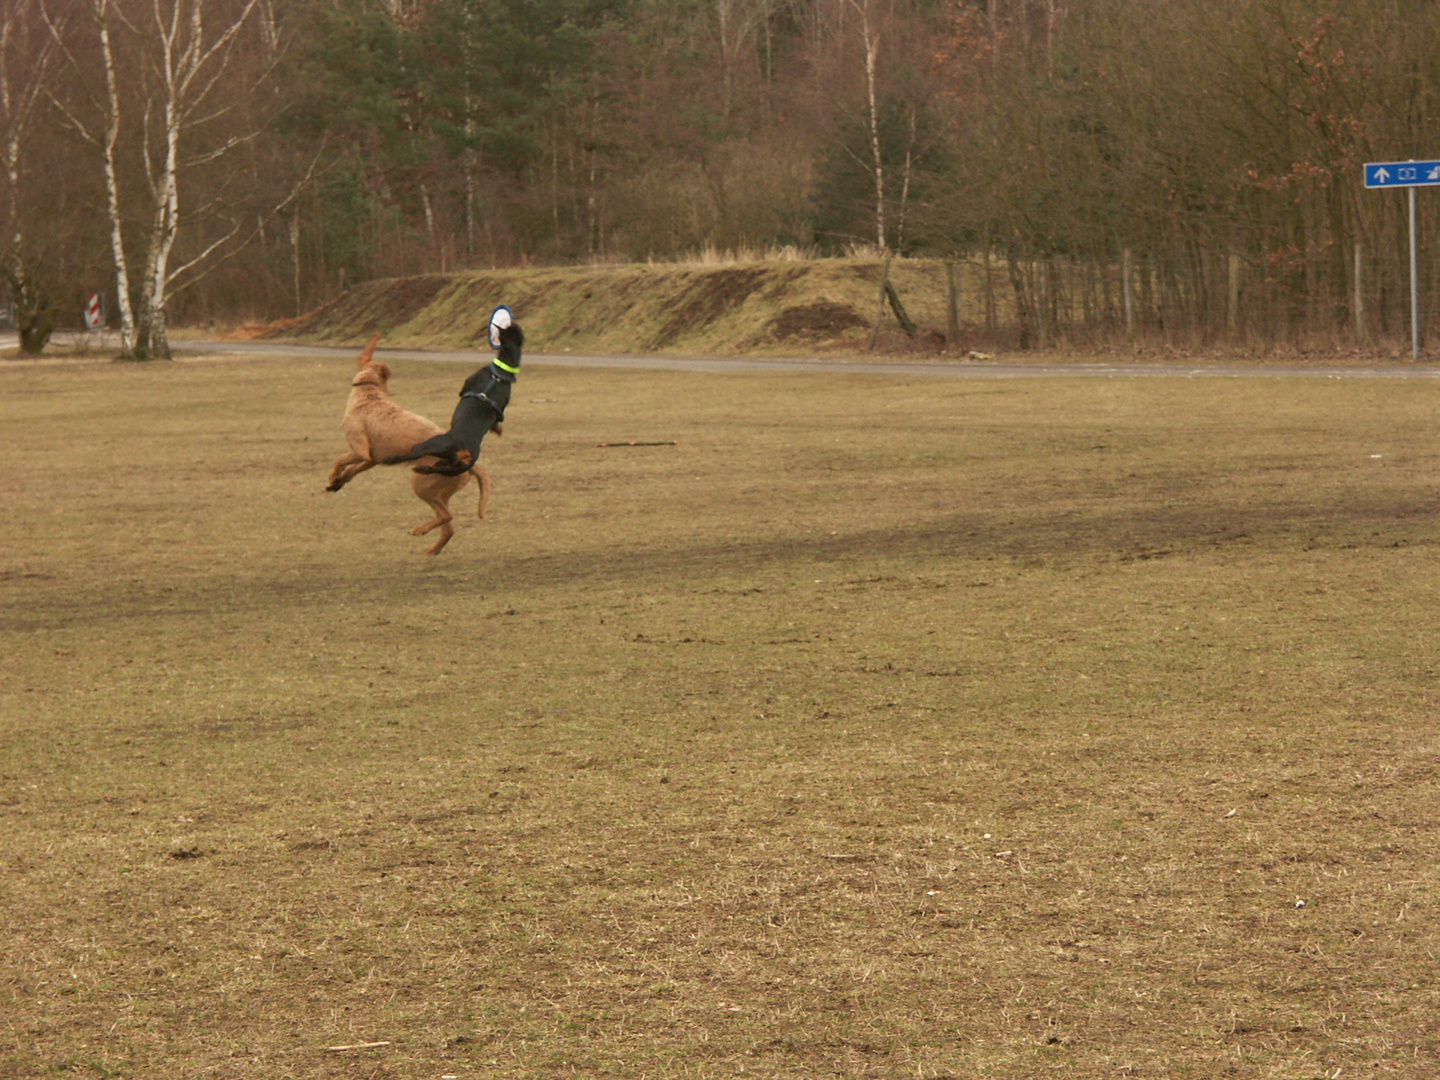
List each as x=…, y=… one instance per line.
x=436, y=494
x=483, y=479
x=439, y=521
x=446, y=532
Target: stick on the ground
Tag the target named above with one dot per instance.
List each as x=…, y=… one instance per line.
x=667, y=442
x=360, y=1046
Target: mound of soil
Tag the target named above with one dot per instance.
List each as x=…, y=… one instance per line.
x=820, y=320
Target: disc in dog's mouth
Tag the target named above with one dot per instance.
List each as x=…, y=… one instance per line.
x=500, y=318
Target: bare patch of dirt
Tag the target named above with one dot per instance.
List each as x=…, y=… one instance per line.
x=707, y=298
x=823, y=319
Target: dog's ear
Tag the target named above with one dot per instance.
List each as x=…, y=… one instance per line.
x=369, y=352
x=383, y=370
x=513, y=334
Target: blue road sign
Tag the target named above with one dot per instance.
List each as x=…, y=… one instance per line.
x=1409, y=175
x=1402, y=174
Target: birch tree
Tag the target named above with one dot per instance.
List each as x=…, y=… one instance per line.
x=870, y=38
x=26, y=51
x=162, y=62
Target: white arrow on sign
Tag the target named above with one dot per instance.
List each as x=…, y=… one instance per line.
x=1382, y=175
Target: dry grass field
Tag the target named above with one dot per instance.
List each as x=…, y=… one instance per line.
x=879, y=727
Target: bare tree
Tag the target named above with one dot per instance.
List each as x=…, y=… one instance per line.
x=26, y=52
x=736, y=24
x=870, y=38
x=162, y=67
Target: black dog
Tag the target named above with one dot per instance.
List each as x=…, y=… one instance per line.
x=482, y=406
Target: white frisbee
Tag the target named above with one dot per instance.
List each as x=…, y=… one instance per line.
x=500, y=318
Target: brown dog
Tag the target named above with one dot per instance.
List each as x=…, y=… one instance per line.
x=376, y=428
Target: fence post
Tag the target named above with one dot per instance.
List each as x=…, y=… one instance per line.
x=1359, y=295
x=989, y=291
x=1232, y=298
x=1127, y=293
x=952, y=304
x=1414, y=285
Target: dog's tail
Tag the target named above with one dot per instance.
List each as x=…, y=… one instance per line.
x=369, y=352
x=483, y=479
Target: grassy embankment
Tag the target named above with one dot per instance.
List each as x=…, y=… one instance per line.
x=781, y=307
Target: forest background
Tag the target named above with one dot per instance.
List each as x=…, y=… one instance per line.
x=1123, y=167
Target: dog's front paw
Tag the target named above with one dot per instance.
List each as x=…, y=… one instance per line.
x=335, y=485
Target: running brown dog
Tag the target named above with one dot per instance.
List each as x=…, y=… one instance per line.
x=377, y=428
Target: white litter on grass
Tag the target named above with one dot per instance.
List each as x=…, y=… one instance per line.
x=1299, y=903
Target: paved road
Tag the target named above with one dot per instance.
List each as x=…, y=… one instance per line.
x=936, y=369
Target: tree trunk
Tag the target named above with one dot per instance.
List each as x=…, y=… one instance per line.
x=905, y=186
x=24, y=82
x=880, y=300
x=1023, y=303
x=295, y=254
x=177, y=68
x=35, y=331
x=989, y=286
x=901, y=315
x=952, y=305
x=1359, y=294
x=153, y=340
x=872, y=49
x=1232, y=298
x=112, y=185
x=1127, y=292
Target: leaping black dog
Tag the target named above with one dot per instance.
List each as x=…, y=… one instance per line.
x=482, y=406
